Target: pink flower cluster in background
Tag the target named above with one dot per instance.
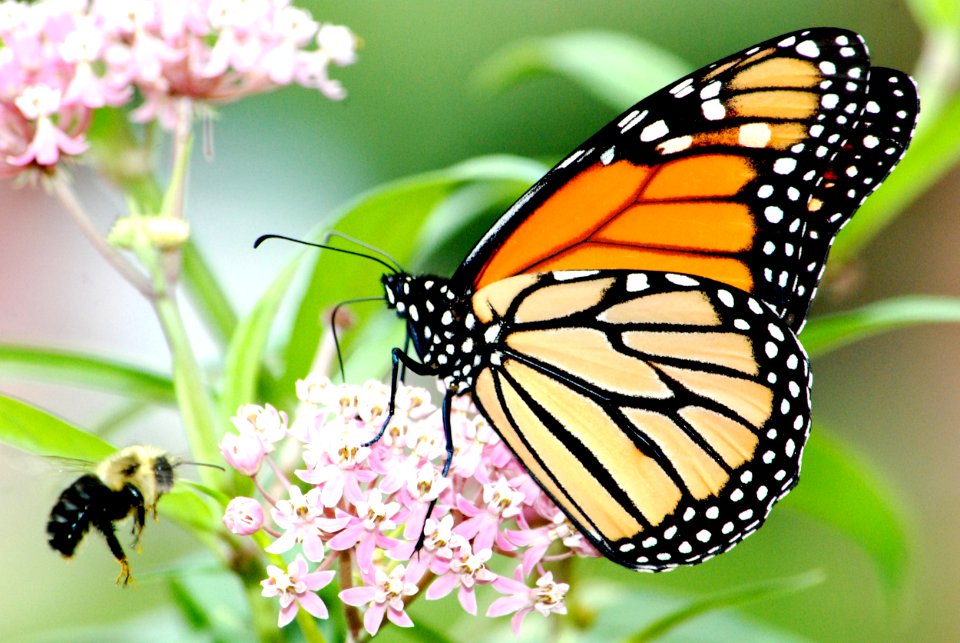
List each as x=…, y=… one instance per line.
x=62, y=59
x=364, y=506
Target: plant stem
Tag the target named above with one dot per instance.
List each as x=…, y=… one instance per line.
x=193, y=399
x=61, y=187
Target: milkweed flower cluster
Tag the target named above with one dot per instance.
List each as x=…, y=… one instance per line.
x=62, y=59
x=335, y=501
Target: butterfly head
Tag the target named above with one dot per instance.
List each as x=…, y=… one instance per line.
x=439, y=322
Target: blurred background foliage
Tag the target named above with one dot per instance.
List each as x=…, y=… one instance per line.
x=439, y=83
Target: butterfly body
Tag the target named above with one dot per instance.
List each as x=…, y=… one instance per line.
x=629, y=327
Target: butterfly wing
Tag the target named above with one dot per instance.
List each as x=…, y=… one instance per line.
x=665, y=414
x=718, y=175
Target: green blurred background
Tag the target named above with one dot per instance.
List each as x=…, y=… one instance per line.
x=282, y=162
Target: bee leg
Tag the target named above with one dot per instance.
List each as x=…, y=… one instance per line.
x=105, y=527
x=139, y=515
x=126, y=576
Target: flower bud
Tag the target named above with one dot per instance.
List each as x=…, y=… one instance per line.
x=244, y=452
x=243, y=516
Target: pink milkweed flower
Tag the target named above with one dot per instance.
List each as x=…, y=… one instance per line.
x=385, y=596
x=535, y=542
x=41, y=104
x=303, y=520
x=371, y=502
x=296, y=588
x=501, y=502
x=467, y=569
x=365, y=530
x=243, y=451
x=265, y=422
x=338, y=467
x=61, y=60
x=546, y=598
x=243, y=516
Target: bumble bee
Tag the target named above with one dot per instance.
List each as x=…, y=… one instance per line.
x=129, y=482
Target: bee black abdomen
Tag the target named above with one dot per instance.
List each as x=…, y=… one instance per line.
x=71, y=516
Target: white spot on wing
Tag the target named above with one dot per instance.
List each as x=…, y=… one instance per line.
x=631, y=119
x=637, y=281
x=569, y=275
x=808, y=48
x=755, y=135
x=653, y=131
x=675, y=145
x=784, y=165
x=713, y=110
x=711, y=91
x=681, y=280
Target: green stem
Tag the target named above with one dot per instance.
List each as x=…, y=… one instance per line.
x=61, y=187
x=207, y=296
x=196, y=407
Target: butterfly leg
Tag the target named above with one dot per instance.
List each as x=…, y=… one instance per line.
x=446, y=409
x=398, y=358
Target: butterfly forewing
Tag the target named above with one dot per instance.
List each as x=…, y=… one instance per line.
x=870, y=153
x=644, y=403
x=710, y=176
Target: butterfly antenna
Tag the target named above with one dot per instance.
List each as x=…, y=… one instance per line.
x=363, y=244
x=333, y=326
x=323, y=246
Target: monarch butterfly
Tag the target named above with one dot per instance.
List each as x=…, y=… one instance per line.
x=629, y=326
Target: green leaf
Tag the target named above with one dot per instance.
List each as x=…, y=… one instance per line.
x=390, y=217
x=119, y=155
x=189, y=511
x=935, y=149
x=29, y=429
x=841, y=491
x=829, y=332
x=616, y=68
x=210, y=300
x=738, y=596
x=87, y=372
x=611, y=609
x=933, y=14
x=245, y=356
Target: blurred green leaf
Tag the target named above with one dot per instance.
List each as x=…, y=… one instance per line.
x=29, y=429
x=738, y=596
x=616, y=68
x=829, y=332
x=209, y=298
x=189, y=511
x=840, y=490
x=932, y=14
x=244, y=361
x=389, y=217
x=51, y=365
x=610, y=609
x=935, y=149
x=119, y=154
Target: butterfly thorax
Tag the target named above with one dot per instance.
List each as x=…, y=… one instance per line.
x=440, y=324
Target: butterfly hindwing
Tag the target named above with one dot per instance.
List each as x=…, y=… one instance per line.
x=644, y=403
